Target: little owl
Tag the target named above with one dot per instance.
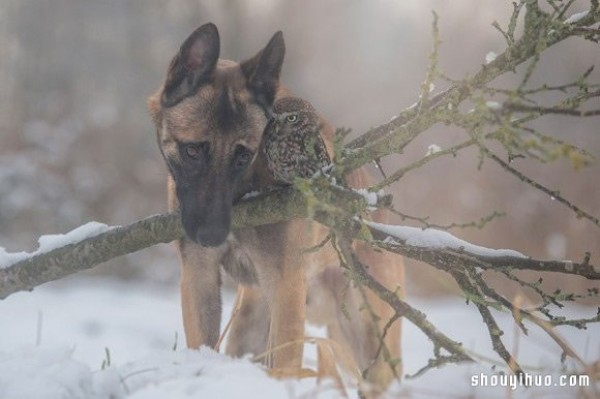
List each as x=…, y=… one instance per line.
x=292, y=143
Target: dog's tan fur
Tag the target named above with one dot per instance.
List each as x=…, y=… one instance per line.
x=273, y=311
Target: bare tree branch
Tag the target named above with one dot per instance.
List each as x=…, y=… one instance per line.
x=394, y=136
x=552, y=193
x=283, y=205
x=402, y=308
x=516, y=107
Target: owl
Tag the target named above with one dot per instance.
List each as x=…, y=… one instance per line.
x=293, y=145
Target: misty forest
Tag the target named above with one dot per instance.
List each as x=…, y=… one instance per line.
x=477, y=120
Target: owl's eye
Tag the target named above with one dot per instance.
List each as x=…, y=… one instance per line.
x=293, y=118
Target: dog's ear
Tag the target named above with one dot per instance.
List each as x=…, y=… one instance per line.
x=262, y=71
x=193, y=65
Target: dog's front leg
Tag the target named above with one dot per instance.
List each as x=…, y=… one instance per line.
x=287, y=300
x=282, y=280
x=200, y=293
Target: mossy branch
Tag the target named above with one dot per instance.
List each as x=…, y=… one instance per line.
x=280, y=205
x=392, y=137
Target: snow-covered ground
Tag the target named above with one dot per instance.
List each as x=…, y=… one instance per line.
x=102, y=339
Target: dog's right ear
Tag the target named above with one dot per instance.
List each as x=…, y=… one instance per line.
x=193, y=65
x=263, y=70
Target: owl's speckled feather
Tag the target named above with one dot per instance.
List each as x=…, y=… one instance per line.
x=292, y=142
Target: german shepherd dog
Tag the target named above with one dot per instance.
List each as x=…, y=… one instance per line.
x=210, y=115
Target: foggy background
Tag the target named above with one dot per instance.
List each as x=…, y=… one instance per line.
x=77, y=143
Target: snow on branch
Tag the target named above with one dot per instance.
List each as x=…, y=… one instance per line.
x=94, y=243
x=443, y=250
x=78, y=253
x=48, y=243
x=433, y=238
x=464, y=262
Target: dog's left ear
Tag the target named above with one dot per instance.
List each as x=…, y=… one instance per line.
x=193, y=65
x=262, y=71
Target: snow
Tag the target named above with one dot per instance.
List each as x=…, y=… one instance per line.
x=493, y=105
x=41, y=372
x=44, y=373
x=576, y=17
x=250, y=194
x=490, y=57
x=138, y=326
x=412, y=106
x=439, y=239
x=47, y=243
x=432, y=149
x=369, y=196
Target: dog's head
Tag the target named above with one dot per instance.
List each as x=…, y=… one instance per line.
x=210, y=115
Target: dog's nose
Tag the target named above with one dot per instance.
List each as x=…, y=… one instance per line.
x=211, y=237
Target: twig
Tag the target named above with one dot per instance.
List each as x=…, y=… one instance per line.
x=552, y=193
x=236, y=310
x=415, y=316
x=397, y=175
x=479, y=224
x=494, y=330
x=516, y=107
x=381, y=334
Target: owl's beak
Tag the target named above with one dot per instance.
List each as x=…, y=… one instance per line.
x=276, y=125
x=273, y=124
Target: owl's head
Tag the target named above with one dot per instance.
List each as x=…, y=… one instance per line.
x=296, y=114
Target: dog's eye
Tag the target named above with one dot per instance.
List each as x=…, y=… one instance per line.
x=194, y=150
x=293, y=118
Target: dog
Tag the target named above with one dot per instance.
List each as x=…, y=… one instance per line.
x=210, y=115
